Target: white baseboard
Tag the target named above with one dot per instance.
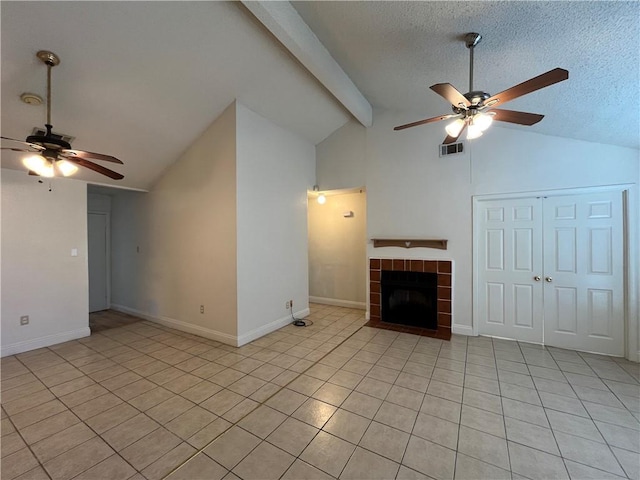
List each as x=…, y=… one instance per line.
x=367, y=315
x=46, y=341
x=269, y=327
x=462, y=330
x=180, y=325
x=234, y=341
x=338, y=303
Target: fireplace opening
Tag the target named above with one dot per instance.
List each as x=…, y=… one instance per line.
x=409, y=298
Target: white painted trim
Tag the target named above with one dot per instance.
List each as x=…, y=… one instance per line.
x=475, y=276
x=269, y=327
x=620, y=187
x=631, y=203
x=340, y=191
x=234, y=341
x=367, y=315
x=286, y=24
x=338, y=303
x=463, y=330
x=116, y=187
x=180, y=325
x=46, y=341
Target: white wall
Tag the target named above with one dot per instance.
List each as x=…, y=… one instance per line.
x=275, y=168
x=40, y=278
x=343, y=158
x=413, y=192
x=338, y=250
x=225, y=227
x=185, y=231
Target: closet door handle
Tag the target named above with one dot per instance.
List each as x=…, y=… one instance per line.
x=548, y=279
x=537, y=278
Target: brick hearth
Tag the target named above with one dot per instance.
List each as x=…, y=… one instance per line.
x=440, y=267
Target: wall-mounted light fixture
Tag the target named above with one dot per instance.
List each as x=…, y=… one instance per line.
x=321, y=198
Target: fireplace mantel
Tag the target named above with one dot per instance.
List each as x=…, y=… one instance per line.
x=410, y=242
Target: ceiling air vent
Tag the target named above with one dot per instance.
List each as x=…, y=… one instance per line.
x=58, y=136
x=451, y=149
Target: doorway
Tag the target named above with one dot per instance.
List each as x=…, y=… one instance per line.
x=338, y=248
x=550, y=269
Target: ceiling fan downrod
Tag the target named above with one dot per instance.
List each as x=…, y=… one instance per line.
x=471, y=40
x=50, y=59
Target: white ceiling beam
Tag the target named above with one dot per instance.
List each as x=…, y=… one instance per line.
x=284, y=22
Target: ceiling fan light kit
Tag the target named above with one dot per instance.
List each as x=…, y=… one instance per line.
x=51, y=154
x=474, y=111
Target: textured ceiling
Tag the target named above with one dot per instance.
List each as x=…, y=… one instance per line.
x=394, y=51
x=141, y=80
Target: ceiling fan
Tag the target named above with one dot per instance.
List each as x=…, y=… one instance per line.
x=52, y=154
x=474, y=110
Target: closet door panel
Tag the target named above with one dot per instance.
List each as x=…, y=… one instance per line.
x=583, y=269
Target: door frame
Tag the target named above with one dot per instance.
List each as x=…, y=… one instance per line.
x=630, y=235
x=107, y=248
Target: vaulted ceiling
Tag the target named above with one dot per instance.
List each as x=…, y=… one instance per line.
x=141, y=80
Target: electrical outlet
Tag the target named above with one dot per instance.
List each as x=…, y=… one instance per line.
x=287, y=304
x=24, y=320
x=201, y=308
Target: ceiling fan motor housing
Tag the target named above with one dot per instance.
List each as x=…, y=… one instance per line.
x=49, y=141
x=476, y=98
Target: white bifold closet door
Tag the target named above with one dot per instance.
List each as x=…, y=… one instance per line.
x=550, y=270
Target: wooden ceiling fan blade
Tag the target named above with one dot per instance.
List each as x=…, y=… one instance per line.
x=17, y=149
x=92, y=155
x=511, y=116
x=32, y=145
x=451, y=94
x=12, y=139
x=450, y=139
x=536, y=83
x=33, y=174
x=95, y=167
x=426, y=120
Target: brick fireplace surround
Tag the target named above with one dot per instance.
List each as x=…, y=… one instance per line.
x=441, y=267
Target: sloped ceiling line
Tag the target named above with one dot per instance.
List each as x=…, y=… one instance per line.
x=284, y=22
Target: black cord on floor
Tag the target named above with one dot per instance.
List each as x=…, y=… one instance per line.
x=299, y=322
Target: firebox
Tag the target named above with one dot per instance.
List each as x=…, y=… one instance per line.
x=409, y=298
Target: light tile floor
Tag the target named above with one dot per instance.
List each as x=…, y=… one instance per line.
x=333, y=400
